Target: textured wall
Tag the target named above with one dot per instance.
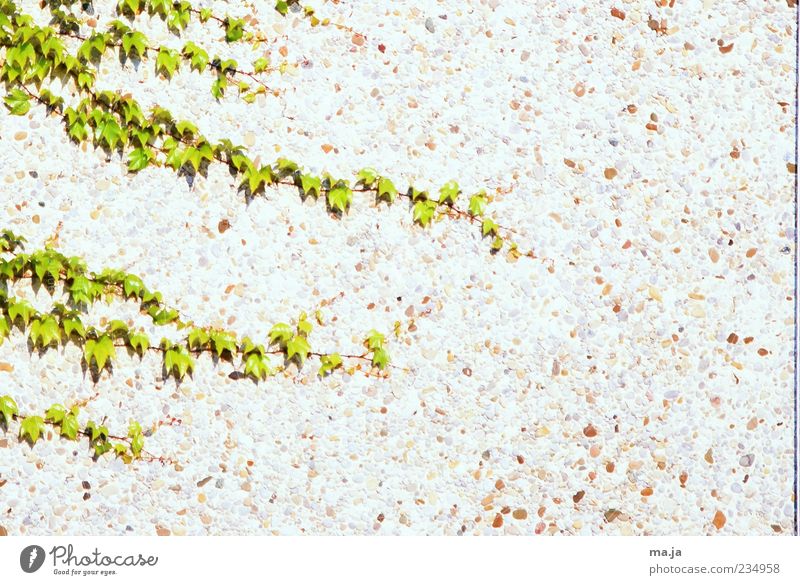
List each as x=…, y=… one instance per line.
x=592, y=390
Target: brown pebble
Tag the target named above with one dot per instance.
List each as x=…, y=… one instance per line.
x=358, y=40
x=498, y=521
x=86, y=485
x=726, y=48
x=467, y=372
x=578, y=496
x=762, y=351
x=617, y=13
x=648, y=491
x=520, y=514
x=610, y=467
x=3, y=531
x=709, y=456
x=610, y=173
x=499, y=484
x=751, y=252
x=590, y=431
x=719, y=520
x=223, y=226
x=733, y=338
x=161, y=531
x=612, y=515
x=203, y=481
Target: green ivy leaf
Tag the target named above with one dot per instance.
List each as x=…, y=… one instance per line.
x=282, y=7
x=134, y=42
x=497, y=243
x=139, y=158
x=298, y=347
x=139, y=342
x=102, y=350
x=260, y=65
x=33, y=427
x=167, y=61
x=375, y=340
x=386, y=190
x=380, y=359
x=309, y=183
x=137, y=444
x=223, y=341
x=449, y=192
x=17, y=102
x=198, y=56
x=304, y=326
x=256, y=366
x=55, y=413
x=70, y=427
x=178, y=362
x=97, y=433
x=73, y=325
x=234, y=29
x=219, y=86
x=367, y=176
x=20, y=309
x=8, y=408
x=423, y=212
x=329, y=363
x=44, y=331
x=280, y=333
x=477, y=204
x=489, y=227
x=340, y=197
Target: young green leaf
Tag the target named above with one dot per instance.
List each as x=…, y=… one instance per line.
x=17, y=102
x=489, y=227
x=310, y=184
x=448, y=193
x=8, y=408
x=260, y=65
x=340, y=197
x=234, y=29
x=55, y=414
x=477, y=204
x=256, y=366
x=102, y=350
x=33, y=427
x=298, y=347
x=139, y=158
x=367, y=176
x=386, y=190
x=375, y=340
x=178, y=362
x=423, y=212
x=380, y=359
x=329, y=363
x=70, y=427
x=280, y=333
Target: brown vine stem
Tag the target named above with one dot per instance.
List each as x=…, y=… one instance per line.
x=149, y=49
x=147, y=456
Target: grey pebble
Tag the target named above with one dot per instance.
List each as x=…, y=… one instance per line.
x=429, y=25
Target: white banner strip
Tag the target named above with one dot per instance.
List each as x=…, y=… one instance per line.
x=354, y=560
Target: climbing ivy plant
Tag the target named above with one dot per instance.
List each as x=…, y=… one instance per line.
x=69, y=50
